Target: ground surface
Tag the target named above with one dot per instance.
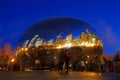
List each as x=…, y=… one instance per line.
x=47, y=75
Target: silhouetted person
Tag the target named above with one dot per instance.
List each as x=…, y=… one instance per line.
x=61, y=60
x=67, y=59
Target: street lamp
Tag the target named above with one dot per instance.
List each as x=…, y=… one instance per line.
x=12, y=61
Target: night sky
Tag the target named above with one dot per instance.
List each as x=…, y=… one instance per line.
x=16, y=16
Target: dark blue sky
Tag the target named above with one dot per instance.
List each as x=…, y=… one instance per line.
x=16, y=16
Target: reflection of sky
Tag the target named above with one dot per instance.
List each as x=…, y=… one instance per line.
x=49, y=29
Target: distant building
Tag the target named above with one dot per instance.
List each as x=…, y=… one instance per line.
x=32, y=41
x=26, y=43
x=87, y=40
x=38, y=42
x=69, y=38
x=50, y=42
x=83, y=37
x=59, y=39
x=44, y=43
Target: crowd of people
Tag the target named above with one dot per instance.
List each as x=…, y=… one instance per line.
x=104, y=66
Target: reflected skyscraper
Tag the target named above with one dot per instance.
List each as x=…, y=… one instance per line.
x=86, y=40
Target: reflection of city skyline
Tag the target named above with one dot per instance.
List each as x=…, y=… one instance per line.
x=87, y=40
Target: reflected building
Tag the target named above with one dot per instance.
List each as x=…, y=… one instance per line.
x=32, y=41
x=59, y=39
x=88, y=40
x=38, y=42
x=69, y=38
x=50, y=42
x=25, y=43
x=83, y=37
x=44, y=43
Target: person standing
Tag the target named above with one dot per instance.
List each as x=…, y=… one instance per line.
x=67, y=60
x=61, y=60
x=83, y=66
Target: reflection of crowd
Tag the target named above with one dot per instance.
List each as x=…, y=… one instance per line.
x=64, y=60
x=100, y=64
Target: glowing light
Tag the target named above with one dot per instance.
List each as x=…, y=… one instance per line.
x=55, y=57
x=26, y=49
x=92, y=44
x=22, y=49
x=12, y=60
x=88, y=56
x=86, y=44
x=93, y=39
x=68, y=45
x=59, y=47
x=16, y=54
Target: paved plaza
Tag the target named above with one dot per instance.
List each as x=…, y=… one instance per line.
x=47, y=75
